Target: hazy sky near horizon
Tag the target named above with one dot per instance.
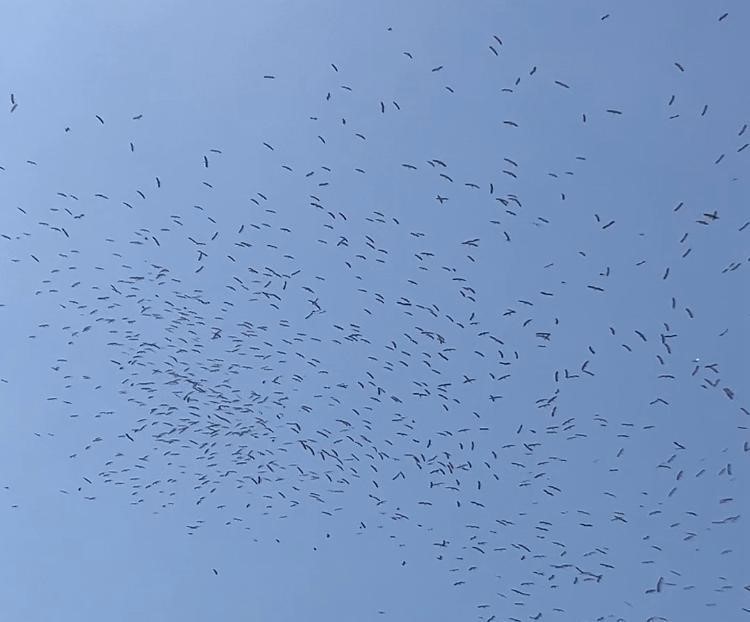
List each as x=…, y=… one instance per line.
x=374, y=311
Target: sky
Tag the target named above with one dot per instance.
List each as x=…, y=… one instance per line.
x=374, y=311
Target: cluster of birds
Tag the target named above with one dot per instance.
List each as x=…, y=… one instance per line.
x=451, y=354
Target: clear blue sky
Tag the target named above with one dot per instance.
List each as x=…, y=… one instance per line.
x=425, y=311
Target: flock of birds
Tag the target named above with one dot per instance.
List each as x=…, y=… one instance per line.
x=408, y=334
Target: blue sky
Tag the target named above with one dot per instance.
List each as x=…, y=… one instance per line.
x=352, y=311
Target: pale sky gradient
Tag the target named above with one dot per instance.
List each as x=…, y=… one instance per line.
x=341, y=307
